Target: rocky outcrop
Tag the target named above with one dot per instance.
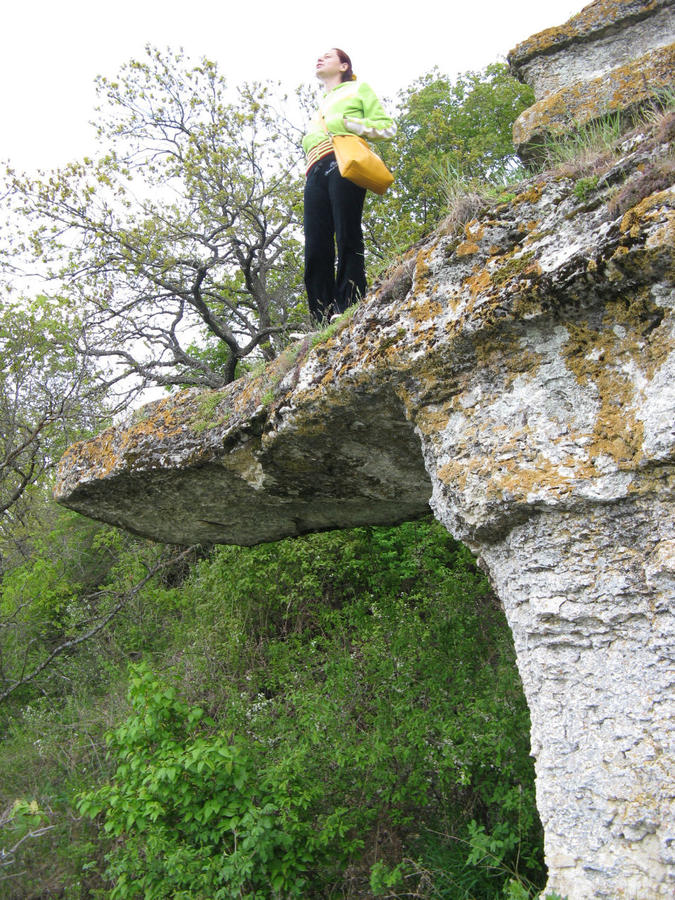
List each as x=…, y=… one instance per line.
x=610, y=58
x=517, y=373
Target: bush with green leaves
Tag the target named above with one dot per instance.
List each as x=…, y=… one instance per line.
x=363, y=727
x=362, y=691
x=190, y=812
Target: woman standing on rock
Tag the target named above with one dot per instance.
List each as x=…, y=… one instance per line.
x=333, y=204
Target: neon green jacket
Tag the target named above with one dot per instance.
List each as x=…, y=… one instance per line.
x=349, y=108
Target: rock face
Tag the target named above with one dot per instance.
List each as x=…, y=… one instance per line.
x=517, y=373
x=610, y=58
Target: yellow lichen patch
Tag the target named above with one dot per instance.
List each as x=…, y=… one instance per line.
x=643, y=339
x=527, y=304
x=664, y=236
x=422, y=268
x=597, y=357
x=474, y=230
x=455, y=472
x=118, y=447
x=250, y=394
x=502, y=354
x=433, y=419
x=513, y=480
x=98, y=455
x=585, y=101
x=632, y=220
x=596, y=15
x=515, y=266
x=531, y=195
x=479, y=282
x=467, y=248
x=419, y=311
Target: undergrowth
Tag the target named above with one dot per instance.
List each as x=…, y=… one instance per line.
x=321, y=715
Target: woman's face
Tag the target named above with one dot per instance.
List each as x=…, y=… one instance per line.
x=328, y=65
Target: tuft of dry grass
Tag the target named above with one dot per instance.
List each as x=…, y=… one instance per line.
x=465, y=198
x=664, y=132
x=589, y=150
x=397, y=281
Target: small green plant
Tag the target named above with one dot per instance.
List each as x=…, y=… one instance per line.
x=267, y=397
x=186, y=812
x=383, y=878
x=584, y=187
x=204, y=418
x=516, y=890
x=328, y=331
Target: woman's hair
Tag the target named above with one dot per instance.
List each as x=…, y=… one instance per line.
x=344, y=58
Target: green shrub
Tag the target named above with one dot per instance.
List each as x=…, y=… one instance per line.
x=187, y=812
x=584, y=187
x=364, y=728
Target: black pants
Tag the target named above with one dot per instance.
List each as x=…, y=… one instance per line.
x=333, y=209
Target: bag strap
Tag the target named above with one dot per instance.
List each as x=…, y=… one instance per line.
x=325, y=127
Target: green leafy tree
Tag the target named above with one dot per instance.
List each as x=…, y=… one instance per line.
x=47, y=398
x=465, y=124
x=445, y=127
x=183, y=234
x=190, y=812
x=78, y=578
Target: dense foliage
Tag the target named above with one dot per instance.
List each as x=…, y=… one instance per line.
x=334, y=715
x=449, y=132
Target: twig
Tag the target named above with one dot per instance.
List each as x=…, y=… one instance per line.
x=73, y=642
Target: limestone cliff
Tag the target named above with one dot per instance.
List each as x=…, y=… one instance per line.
x=516, y=372
x=519, y=374
x=612, y=57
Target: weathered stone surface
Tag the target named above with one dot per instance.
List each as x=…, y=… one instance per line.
x=604, y=35
x=612, y=57
x=623, y=90
x=209, y=468
x=520, y=372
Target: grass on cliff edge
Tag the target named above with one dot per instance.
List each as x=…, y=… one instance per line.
x=584, y=155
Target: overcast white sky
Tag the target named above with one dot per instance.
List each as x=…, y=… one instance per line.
x=51, y=50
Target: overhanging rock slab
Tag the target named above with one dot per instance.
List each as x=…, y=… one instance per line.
x=518, y=373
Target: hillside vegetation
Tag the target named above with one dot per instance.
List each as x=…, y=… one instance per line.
x=336, y=715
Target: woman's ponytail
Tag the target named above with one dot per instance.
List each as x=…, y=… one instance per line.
x=344, y=58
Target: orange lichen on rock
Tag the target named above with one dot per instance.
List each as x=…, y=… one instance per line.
x=620, y=89
x=595, y=17
x=601, y=358
x=632, y=221
x=474, y=232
